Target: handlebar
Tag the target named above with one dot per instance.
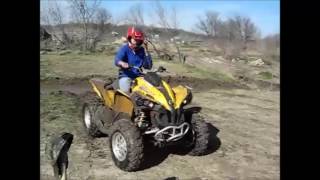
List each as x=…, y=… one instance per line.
x=138, y=68
x=160, y=69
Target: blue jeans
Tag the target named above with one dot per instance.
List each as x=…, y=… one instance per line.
x=125, y=84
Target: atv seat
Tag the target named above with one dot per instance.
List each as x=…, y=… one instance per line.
x=112, y=85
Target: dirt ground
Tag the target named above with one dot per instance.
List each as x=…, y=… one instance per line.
x=249, y=136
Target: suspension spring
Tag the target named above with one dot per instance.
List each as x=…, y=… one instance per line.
x=140, y=120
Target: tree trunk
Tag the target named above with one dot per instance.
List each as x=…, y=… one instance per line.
x=86, y=37
x=178, y=50
x=154, y=47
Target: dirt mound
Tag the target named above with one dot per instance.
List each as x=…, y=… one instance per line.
x=258, y=83
x=203, y=84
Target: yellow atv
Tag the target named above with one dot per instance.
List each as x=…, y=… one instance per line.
x=152, y=111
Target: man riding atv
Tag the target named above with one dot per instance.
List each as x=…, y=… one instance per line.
x=141, y=106
x=132, y=54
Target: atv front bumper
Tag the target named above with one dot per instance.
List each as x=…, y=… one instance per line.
x=170, y=133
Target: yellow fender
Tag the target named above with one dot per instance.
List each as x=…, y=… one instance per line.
x=122, y=103
x=181, y=93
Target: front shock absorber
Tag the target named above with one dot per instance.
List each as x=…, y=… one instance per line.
x=140, y=120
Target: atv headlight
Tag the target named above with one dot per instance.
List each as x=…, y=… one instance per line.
x=151, y=105
x=148, y=103
x=188, y=98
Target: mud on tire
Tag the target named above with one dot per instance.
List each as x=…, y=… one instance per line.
x=200, y=136
x=91, y=103
x=134, y=145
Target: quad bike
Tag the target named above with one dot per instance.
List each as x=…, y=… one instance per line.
x=152, y=111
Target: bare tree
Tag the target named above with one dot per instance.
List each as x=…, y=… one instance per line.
x=174, y=18
x=209, y=24
x=271, y=44
x=249, y=30
x=52, y=19
x=164, y=18
x=101, y=20
x=203, y=26
x=244, y=28
x=236, y=28
x=103, y=16
x=223, y=30
x=135, y=15
x=232, y=29
x=213, y=21
x=161, y=15
x=83, y=12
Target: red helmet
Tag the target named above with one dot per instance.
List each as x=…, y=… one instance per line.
x=135, y=33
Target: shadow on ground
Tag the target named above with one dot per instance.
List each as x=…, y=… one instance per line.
x=213, y=146
x=214, y=141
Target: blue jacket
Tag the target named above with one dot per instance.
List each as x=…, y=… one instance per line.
x=136, y=58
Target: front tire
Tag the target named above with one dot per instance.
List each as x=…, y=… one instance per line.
x=126, y=145
x=200, y=136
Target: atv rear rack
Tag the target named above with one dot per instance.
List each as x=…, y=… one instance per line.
x=170, y=133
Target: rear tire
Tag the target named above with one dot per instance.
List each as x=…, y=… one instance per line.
x=89, y=115
x=126, y=145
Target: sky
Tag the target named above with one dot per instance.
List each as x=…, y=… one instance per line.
x=264, y=13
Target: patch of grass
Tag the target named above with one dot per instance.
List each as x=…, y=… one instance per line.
x=192, y=71
x=265, y=75
x=76, y=65
x=189, y=46
x=216, y=75
x=59, y=113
